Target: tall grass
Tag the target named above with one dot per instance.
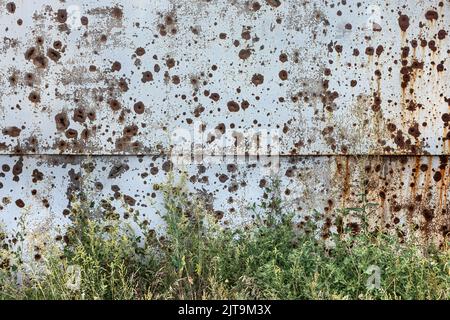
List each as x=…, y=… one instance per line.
x=197, y=259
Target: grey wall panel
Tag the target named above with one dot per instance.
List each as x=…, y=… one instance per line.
x=364, y=77
x=411, y=193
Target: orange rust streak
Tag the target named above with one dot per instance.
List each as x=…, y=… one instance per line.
x=442, y=189
x=446, y=144
x=427, y=178
x=346, y=187
x=415, y=178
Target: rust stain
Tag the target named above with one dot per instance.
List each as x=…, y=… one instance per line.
x=117, y=82
x=346, y=181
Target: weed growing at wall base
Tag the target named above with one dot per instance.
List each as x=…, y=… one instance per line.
x=198, y=259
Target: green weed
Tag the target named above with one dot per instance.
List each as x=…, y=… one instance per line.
x=199, y=259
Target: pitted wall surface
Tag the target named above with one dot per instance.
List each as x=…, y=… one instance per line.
x=345, y=97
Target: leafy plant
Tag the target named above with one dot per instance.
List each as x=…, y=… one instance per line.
x=196, y=258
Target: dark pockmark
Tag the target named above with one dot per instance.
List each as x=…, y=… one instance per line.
x=130, y=131
x=232, y=168
x=274, y=3
x=170, y=63
x=53, y=54
x=414, y=130
x=34, y=97
x=40, y=61
x=338, y=48
x=123, y=85
x=114, y=105
x=223, y=178
x=428, y=214
x=403, y=22
x=219, y=214
x=62, y=121
x=17, y=169
x=370, y=51
x=20, y=203
x=91, y=115
x=233, y=106
x=437, y=176
x=283, y=74
x=379, y=50
x=244, y=54
x=214, y=96
x=147, y=76
x=255, y=6
x=376, y=103
x=221, y=128
x=129, y=200
x=84, y=20
x=246, y=35
x=431, y=15
x=57, y=45
x=233, y=187
x=30, y=53
x=432, y=45
x=118, y=170
x=442, y=34
x=39, y=41
x=11, y=7
x=139, y=107
x=12, y=131
x=71, y=134
x=37, y=176
x=257, y=79
x=61, y=15
x=13, y=80
x=79, y=115
x=117, y=13
x=167, y=166
x=116, y=66
x=140, y=51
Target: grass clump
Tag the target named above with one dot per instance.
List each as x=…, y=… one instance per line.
x=198, y=259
